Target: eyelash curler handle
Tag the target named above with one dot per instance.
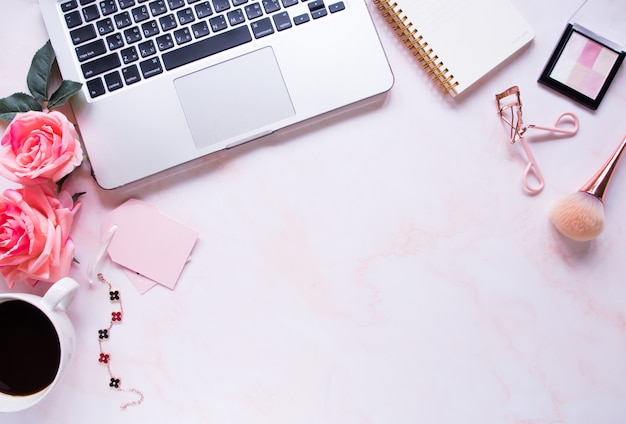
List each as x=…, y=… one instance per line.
x=532, y=169
x=556, y=128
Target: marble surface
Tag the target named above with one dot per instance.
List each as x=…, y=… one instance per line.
x=384, y=266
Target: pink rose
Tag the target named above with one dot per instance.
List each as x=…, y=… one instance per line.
x=39, y=147
x=35, y=243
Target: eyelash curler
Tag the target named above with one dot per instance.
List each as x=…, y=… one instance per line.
x=510, y=101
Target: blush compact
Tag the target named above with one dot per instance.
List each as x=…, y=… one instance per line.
x=582, y=66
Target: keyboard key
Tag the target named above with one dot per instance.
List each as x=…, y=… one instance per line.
x=73, y=19
x=100, y=65
x=146, y=48
x=218, y=23
x=90, y=50
x=95, y=88
x=113, y=81
x=316, y=4
x=158, y=7
x=271, y=6
x=125, y=4
x=123, y=20
x=253, y=11
x=68, y=5
x=84, y=2
x=164, y=42
x=282, y=21
x=105, y=26
x=206, y=47
x=289, y=3
x=150, y=28
x=140, y=14
x=319, y=13
x=132, y=35
x=336, y=7
x=108, y=7
x=167, y=22
x=235, y=17
x=185, y=16
x=239, y=2
x=200, y=29
x=317, y=9
x=131, y=74
x=300, y=19
x=91, y=13
x=151, y=67
x=203, y=9
x=82, y=34
x=129, y=55
x=262, y=27
x=221, y=5
x=182, y=36
x=176, y=4
x=115, y=41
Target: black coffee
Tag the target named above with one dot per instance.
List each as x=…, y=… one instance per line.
x=30, y=352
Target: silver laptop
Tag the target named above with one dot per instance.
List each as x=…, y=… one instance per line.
x=168, y=81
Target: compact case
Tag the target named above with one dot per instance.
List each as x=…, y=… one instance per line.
x=582, y=66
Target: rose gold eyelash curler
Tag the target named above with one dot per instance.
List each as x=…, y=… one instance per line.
x=510, y=101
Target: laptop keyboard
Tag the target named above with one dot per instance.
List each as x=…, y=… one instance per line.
x=121, y=42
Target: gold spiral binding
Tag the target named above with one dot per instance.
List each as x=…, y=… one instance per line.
x=415, y=42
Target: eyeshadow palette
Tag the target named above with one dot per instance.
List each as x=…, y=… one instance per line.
x=582, y=66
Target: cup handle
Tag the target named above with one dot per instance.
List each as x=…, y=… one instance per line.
x=61, y=293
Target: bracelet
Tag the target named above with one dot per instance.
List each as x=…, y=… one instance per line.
x=103, y=335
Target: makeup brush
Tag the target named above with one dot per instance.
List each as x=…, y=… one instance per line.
x=580, y=215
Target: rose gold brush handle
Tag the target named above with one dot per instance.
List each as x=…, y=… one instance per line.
x=599, y=183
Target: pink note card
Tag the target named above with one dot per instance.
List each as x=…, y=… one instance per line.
x=149, y=244
x=141, y=283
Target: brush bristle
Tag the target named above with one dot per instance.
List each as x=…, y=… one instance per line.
x=579, y=216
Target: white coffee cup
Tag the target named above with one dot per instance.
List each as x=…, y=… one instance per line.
x=52, y=305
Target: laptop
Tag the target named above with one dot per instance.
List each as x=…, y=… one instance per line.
x=168, y=81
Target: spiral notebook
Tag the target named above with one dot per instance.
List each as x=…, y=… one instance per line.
x=458, y=41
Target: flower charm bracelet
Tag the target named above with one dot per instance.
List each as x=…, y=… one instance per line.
x=103, y=335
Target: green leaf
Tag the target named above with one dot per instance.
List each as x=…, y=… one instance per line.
x=16, y=103
x=39, y=73
x=66, y=90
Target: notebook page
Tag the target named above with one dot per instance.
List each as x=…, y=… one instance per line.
x=470, y=37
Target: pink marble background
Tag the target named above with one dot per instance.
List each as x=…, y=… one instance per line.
x=385, y=266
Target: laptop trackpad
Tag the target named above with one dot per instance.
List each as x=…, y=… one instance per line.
x=233, y=98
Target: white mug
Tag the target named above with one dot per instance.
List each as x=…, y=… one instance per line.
x=23, y=386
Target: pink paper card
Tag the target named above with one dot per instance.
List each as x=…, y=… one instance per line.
x=149, y=244
x=141, y=283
